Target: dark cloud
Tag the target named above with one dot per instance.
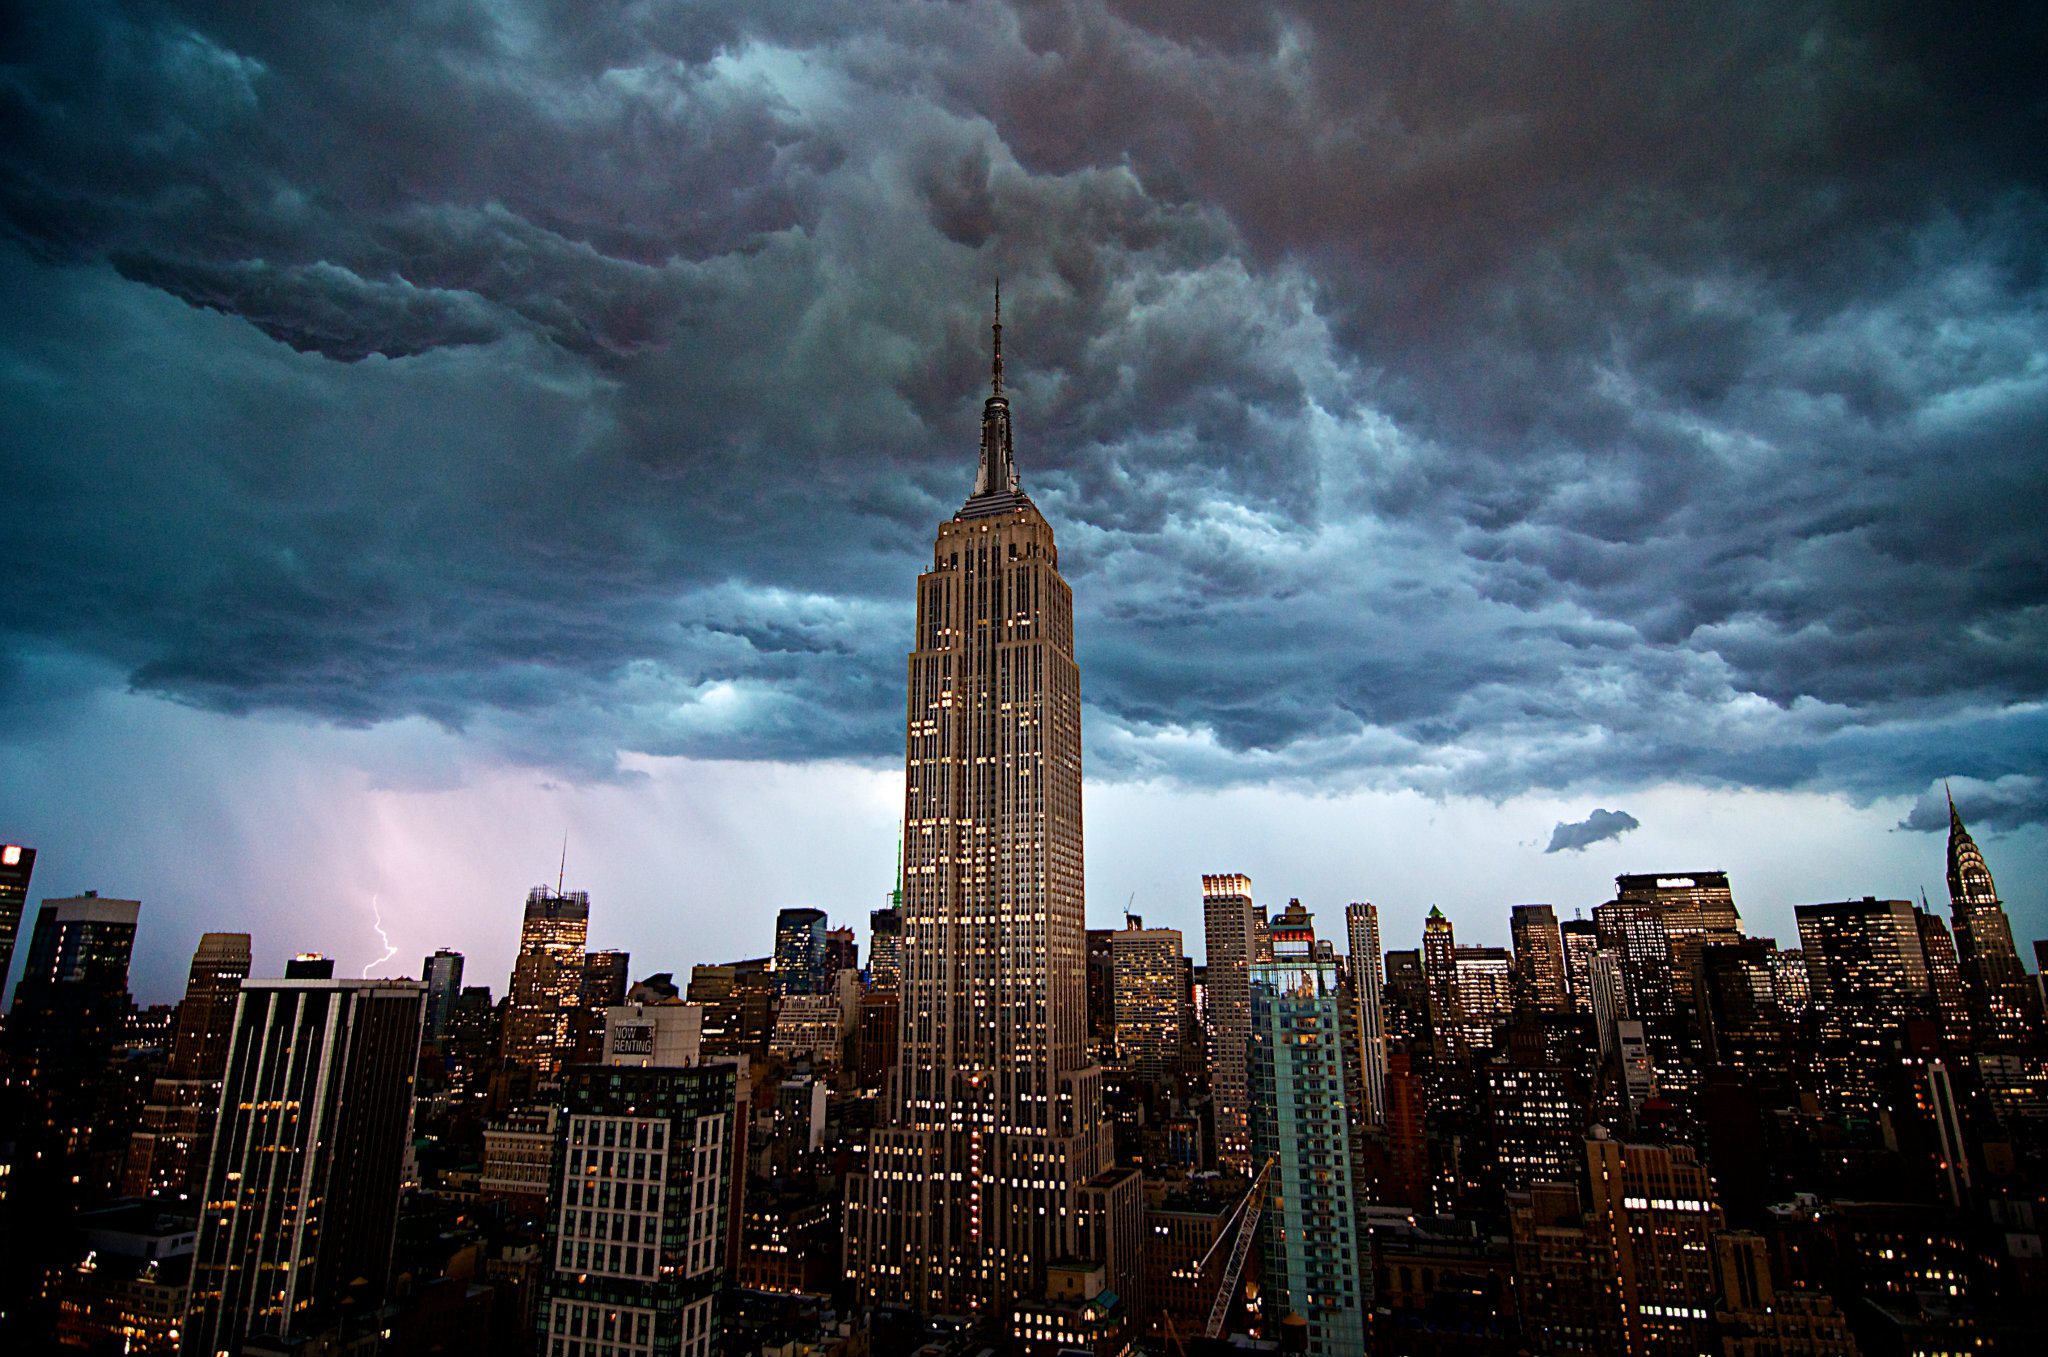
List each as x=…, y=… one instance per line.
x=1576, y=836
x=1476, y=401
x=2002, y=803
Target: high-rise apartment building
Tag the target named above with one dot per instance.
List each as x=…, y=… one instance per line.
x=441, y=973
x=17, y=865
x=1312, y=1260
x=641, y=1196
x=1230, y=935
x=167, y=1154
x=547, y=980
x=1149, y=994
x=2005, y=1007
x=1539, y=959
x=299, y=1209
x=977, y=1169
x=800, y=951
x=1368, y=980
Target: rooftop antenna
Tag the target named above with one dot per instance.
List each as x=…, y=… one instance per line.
x=562, y=873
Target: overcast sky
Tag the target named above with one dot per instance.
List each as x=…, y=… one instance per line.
x=1493, y=447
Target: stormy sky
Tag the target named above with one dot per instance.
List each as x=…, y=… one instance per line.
x=431, y=429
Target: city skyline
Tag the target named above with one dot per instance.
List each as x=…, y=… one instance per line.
x=1467, y=427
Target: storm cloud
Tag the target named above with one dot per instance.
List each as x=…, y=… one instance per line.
x=1576, y=836
x=1425, y=397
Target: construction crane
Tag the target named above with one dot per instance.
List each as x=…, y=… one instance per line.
x=1248, y=1210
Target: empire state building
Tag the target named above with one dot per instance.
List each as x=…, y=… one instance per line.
x=990, y=1156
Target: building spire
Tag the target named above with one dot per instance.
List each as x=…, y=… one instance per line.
x=995, y=372
x=998, y=472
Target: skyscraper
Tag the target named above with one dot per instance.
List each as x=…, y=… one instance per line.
x=1149, y=993
x=994, y=1125
x=300, y=1207
x=1539, y=958
x=168, y=1153
x=69, y=1007
x=2005, y=1008
x=800, y=959
x=1362, y=932
x=17, y=865
x=885, y=947
x=547, y=979
x=1230, y=934
x=442, y=974
x=1581, y=938
x=1867, y=976
x=1440, y=974
x=1311, y=1260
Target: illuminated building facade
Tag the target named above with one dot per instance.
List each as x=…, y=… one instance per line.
x=299, y=1209
x=1867, y=976
x=168, y=1152
x=17, y=866
x=993, y=1124
x=1312, y=1259
x=1440, y=975
x=547, y=980
x=1539, y=958
x=2005, y=1006
x=1229, y=930
x=1149, y=995
x=643, y=1170
x=1654, y=1215
x=1368, y=981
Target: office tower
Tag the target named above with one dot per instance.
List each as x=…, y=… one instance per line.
x=1944, y=977
x=603, y=984
x=739, y=1004
x=1607, y=996
x=1440, y=975
x=1654, y=1215
x=300, y=1205
x=976, y=1170
x=1368, y=980
x=800, y=961
x=1533, y=1111
x=1539, y=958
x=1311, y=1262
x=2005, y=1008
x=1789, y=982
x=1150, y=996
x=1867, y=975
x=1101, y=967
x=1406, y=998
x=1486, y=995
x=1755, y=1317
x=547, y=980
x=885, y=947
x=1229, y=934
x=69, y=1007
x=1743, y=1029
x=17, y=865
x=1580, y=938
x=442, y=975
x=1659, y=923
x=168, y=1153
x=842, y=952
x=645, y=1157
x=1565, y=1291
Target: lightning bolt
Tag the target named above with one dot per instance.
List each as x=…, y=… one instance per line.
x=390, y=950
